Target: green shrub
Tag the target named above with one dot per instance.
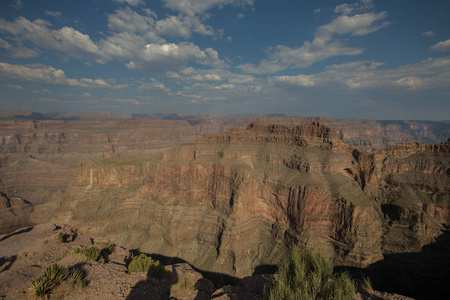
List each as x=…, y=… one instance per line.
x=78, y=277
x=91, y=253
x=60, y=237
x=94, y=252
x=305, y=276
x=144, y=263
x=366, y=285
x=48, y=280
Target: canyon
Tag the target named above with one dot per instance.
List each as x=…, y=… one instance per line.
x=228, y=195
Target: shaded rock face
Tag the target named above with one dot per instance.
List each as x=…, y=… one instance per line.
x=14, y=213
x=39, y=153
x=38, y=159
x=230, y=203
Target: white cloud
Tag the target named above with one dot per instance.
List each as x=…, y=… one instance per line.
x=66, y=39
x=154, y=86
x=127, y=20
x=131, y=2
x=316, y=11
x=349, y=8
x=324, y=44
x=212, y=77
x=430, y=73
x=17, y=52
x=428, y=34
x=360, y=24
x=412, y=82
x=173, y=26
x=87, y=95
x=50, y=75
x=193, y=7
x=172, y=57
x=299, y=80
x=13, y=86
x=283, y=57
x=55, y=14
x=443, y=46
x=43, y=91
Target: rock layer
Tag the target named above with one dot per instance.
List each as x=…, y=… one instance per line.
x=230, y=203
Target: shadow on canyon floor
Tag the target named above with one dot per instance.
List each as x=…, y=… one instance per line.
x=420, y=275
x=28, y=229
x=7, y=262
x=144, y=288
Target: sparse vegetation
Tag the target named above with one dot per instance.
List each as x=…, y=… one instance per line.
x=78, y=277
x=96, y=251
x=366, y=285
x=144, y=263
x=184, y=284
x=91, y=253
x=48, y=280
x=305, y=275
x=60, y=237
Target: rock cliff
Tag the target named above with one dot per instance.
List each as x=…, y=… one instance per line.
x=230, y=203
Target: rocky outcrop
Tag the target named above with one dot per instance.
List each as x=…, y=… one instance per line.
x=14, y=213
x=231, y=203
x=39, y=153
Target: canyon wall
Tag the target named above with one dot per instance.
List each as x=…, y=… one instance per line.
x=38, y=158
x=231, y=203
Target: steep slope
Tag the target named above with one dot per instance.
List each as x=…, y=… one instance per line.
x=229, y=203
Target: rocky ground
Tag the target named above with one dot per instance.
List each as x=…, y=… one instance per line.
x=25, y=253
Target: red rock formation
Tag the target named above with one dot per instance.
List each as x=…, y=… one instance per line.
x=231, y=202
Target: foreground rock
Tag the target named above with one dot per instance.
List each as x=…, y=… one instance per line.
x=24, y=254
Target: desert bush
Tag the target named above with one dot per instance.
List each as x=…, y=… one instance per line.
x=144, y=263
x=60, y=237
x=305, y=275
x=48, y=280
x=366, y=285
x=91, y=253
x=106, y=248
x=78, y=277
x=94, y=252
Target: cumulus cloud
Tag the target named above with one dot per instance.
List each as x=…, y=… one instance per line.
x=154, y=86
x=50, y=75
x=430, y=73
x=17, y=52
x=127, y=20
x=66, y=39
x=131, y=2
x=172, y=57
x=193, y=7
x=443, y=46
x=325, y=43
x=173, y=26
x=299, y=80
x=359, y=24
x=13, y=86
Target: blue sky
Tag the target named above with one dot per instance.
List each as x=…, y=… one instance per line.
x=372, y=59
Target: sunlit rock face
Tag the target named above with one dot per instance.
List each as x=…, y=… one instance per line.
x=231, y=203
